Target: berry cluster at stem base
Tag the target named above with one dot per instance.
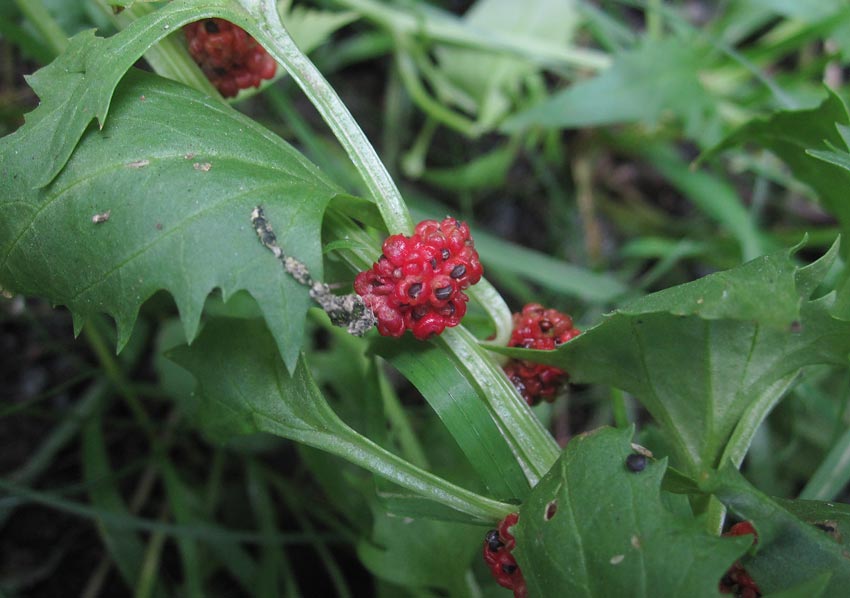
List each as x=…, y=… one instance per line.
x=417, y=283
x=736, y=580
x=544, y=329
x=498, y=547
x=230, y=58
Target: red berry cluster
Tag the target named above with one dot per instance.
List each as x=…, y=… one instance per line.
x=417, y=283
x=544, y=329
x=737, y=581
x=230, y=58
x=498, y=546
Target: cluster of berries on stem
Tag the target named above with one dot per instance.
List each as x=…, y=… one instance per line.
x=417, y=284
x=498, y=548
x=737, y=581
x=230, y=58
x=545, y=329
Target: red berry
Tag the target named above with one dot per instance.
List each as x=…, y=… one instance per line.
x=736, y=580
x=230, y=58
x=417, y=284
x=497, y=550
x=542, y=329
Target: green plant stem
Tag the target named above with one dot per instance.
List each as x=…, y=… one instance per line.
x=618, y=408
x=408, y=443
x=43, y=21
x=445, y=28
x=742, y=438
x=116, y=377
x=534, y=448
x=654, y=21
x=436, y=110
x=381, y=186
x=356, y=448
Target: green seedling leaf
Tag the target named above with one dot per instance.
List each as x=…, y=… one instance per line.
x=245, y=388
x=710, y=355
x=790, y=550
x=492, y=79
x=644, y=84
x=173, y=176
x=595, y=527
x=812, y=144
x=462, y=410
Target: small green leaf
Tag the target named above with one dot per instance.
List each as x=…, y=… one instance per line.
x=420, y=552
x=593, y=527
x=811, y=143
x=642, y=85
x=493, y=79
x=701, y=355
x=177, y=175
x=790, y=550
x=245, y=388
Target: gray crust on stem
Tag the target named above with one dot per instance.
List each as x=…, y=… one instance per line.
x=347, y=311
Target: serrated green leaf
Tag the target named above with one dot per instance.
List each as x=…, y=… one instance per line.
x=592, y=527
x=644, y=84
x=790, y=550
x=77, y=87
x=701, y=355
x=810, y=142
x=178, y=174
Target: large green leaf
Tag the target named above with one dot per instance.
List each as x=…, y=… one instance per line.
x=710, y=358
x=245, y=388
x=790, y=549
x=800, y=138
x=178, y=173
x=592, y=527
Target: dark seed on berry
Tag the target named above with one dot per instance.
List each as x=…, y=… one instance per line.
x=545, y=325
x=445, y=254
x=494, y=543
x=211, y=26
x=220, y=71
x=414, y=290
x=458, y=271
x=443, y=293
x=509, y=569
x=636, y=462
x=433, y=263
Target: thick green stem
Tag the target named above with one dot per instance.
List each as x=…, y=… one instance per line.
x=379, y=182
x=381, y=186
x=361, y=451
